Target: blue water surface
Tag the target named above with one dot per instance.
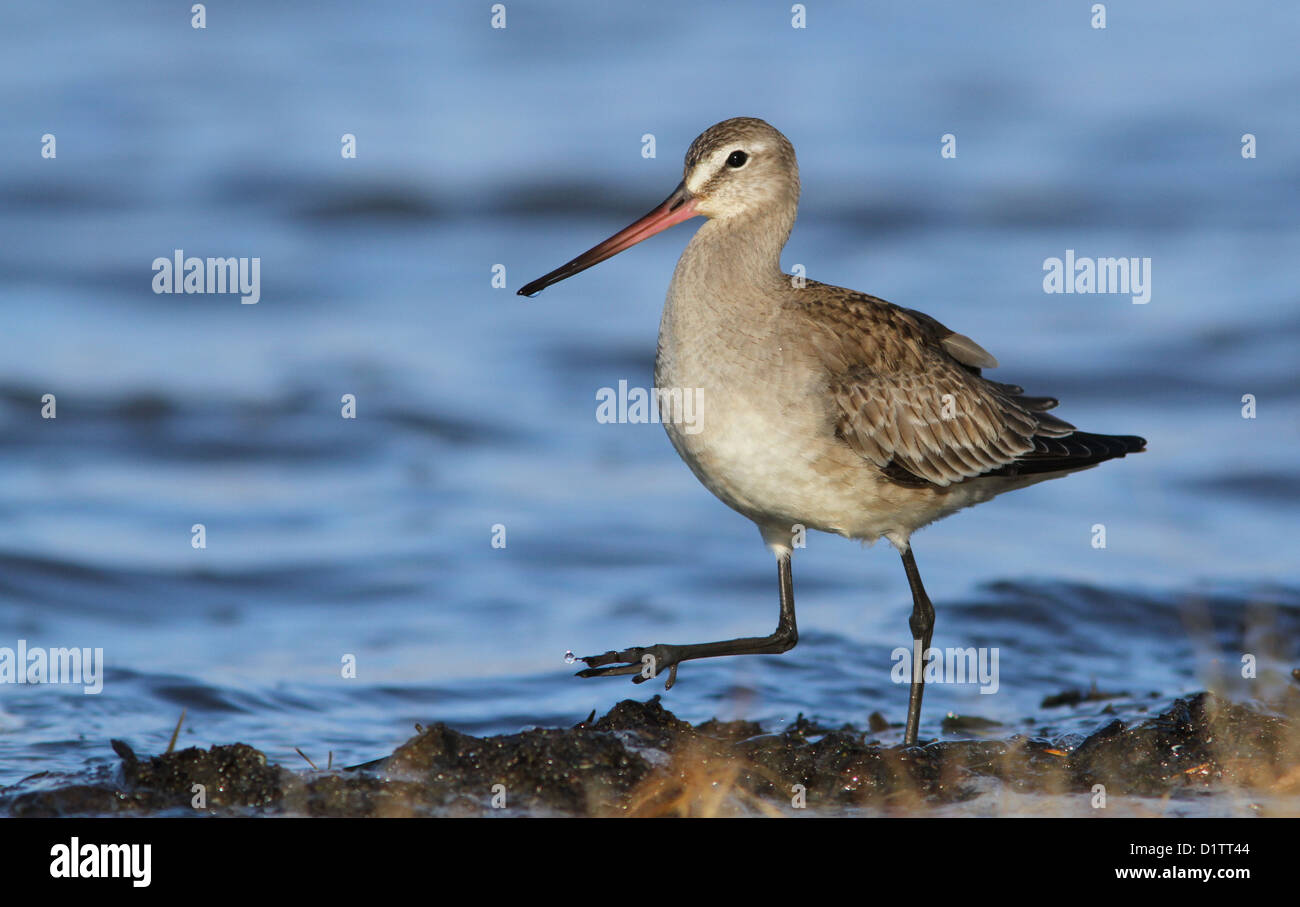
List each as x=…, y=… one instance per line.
x=520, y=147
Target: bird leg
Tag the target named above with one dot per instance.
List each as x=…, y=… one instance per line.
x=922, y=626
x=649, y=661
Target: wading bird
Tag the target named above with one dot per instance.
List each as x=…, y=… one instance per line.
x=826, y=408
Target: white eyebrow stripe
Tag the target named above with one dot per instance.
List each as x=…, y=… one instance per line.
x=702, y=174
x=716, y=162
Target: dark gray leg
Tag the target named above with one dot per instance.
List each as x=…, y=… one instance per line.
x=922, y=625
x=668, y=657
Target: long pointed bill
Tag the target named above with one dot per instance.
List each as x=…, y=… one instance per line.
x=676, y=208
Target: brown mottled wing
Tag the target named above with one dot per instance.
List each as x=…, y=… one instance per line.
x=908, y=395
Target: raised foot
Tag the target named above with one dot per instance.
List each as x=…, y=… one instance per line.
x=643, y=662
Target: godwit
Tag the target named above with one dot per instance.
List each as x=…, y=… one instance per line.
x=824, y=407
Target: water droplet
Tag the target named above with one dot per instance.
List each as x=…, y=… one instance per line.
x=569, y=658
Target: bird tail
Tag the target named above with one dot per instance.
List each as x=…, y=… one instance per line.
x=1077, y=450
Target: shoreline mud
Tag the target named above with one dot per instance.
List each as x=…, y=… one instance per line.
x=1202, y=755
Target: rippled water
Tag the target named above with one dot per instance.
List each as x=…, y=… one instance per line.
x=522, y=147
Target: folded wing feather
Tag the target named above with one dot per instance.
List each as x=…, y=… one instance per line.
x=907, y=392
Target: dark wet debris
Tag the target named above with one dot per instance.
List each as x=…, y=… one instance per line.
x=1074, y=697
x=967, y=724
x=641, y=760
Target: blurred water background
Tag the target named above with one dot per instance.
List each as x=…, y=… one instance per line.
x=523, y=146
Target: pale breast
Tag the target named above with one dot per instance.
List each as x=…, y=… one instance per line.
x=763, y=439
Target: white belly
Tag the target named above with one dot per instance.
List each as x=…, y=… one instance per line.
x=761, y=441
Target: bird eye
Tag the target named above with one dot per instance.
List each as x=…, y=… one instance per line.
x=737, y=159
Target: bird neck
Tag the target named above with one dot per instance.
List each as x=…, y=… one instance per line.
x=741, y=253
